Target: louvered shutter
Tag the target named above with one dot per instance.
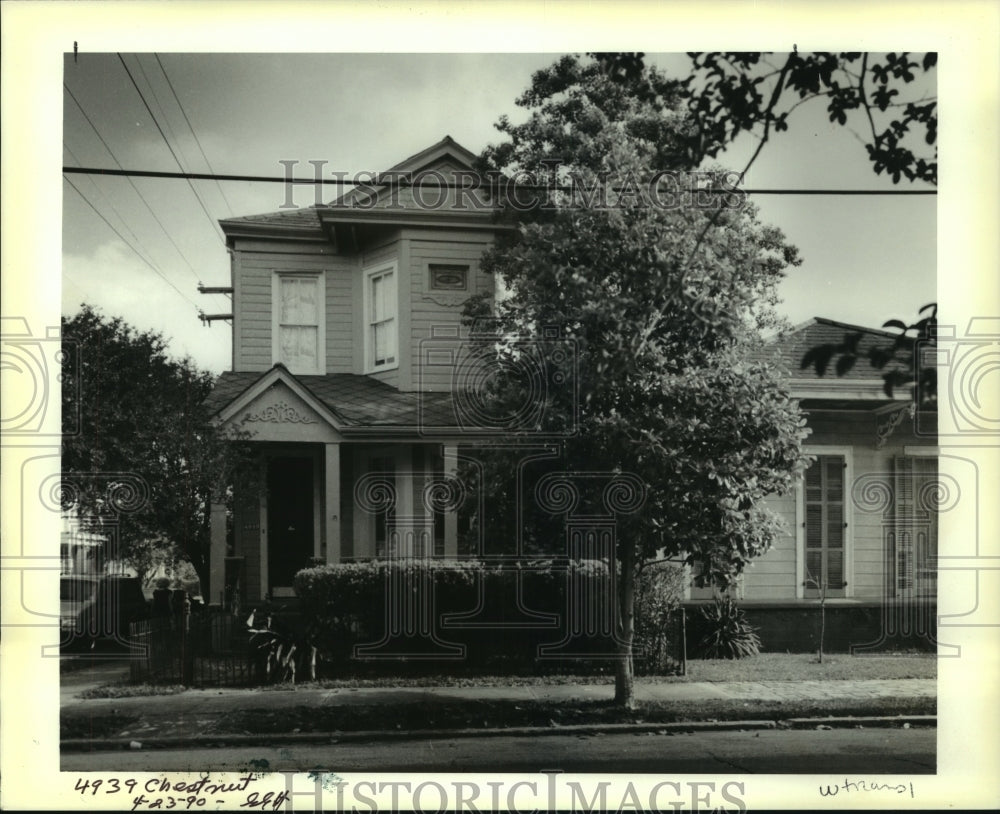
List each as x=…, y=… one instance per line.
x=904, y=509
x=824, y=525
x=926, y=473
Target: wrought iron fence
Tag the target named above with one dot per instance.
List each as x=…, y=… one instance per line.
x=211, y=650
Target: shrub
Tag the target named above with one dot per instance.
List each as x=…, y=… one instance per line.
x=729, y=635
x=492, y=610
x=659, y=590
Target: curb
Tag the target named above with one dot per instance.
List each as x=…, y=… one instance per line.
x=673, y=728
x=861, y=720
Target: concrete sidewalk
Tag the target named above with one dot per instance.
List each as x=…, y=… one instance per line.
x=189, y=714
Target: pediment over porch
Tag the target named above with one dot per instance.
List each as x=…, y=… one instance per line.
x=278, y=409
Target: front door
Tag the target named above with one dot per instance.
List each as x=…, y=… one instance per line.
x=289, y=520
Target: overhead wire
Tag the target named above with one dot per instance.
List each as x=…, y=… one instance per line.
x=163, y=135
x=126, y=174
x=124, y=240
x=160, y=108
x=108, y=200
x=375, y=181
x=129, y=176
x=197, y=141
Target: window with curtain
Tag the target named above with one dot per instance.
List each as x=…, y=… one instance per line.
x=298, y=321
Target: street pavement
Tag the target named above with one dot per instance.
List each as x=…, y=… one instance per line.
x=845, y=751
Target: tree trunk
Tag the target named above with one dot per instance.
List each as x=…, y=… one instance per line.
x=822, y=625
x=624, y=672
x=199, y=546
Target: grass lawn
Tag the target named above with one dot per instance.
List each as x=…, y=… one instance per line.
x=764, y=667
x=805, y=667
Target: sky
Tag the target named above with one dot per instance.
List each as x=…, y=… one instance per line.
x=865, y=259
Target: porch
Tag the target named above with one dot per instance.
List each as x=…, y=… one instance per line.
x=333, y=502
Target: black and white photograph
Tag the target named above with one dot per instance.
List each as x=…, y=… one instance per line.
x=431, y=425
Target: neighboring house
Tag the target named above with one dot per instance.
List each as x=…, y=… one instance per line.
x=80, y=551
x=862, y=525
x=346, y=323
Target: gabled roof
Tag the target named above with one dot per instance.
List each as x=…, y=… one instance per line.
x=788, y=349
x=444, y=155
x=315, y=223
x=304, y=223
x=359, y=402
x=433, y=154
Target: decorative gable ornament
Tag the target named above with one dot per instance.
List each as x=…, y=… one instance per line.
x=280, y=413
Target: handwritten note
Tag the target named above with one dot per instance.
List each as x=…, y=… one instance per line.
x=164, y=793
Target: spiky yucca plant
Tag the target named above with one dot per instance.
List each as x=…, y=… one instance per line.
x=730, y=635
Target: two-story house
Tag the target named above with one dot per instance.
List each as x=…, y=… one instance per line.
x=342, y=320
x=330, y=307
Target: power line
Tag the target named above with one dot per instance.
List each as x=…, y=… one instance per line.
x=108, y=200
x=191, y=128
x=163, y=112
x=135, y=189
x=110, y=225
x=127, y=175
x=370, y=182
x=201, y=203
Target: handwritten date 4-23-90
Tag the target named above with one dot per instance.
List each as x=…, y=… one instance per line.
x=167, y=794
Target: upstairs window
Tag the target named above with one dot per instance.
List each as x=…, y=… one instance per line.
x=298, y=341
x=381, y=308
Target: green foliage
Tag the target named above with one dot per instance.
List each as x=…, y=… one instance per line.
x=659, y=590
x=141, y=422
x=729, y=635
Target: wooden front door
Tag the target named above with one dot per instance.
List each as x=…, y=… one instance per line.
x=290, y=541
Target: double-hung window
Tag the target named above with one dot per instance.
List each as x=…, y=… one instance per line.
x=297, y=324
x=381, y=343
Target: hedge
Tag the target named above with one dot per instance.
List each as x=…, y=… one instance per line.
x=463, y=616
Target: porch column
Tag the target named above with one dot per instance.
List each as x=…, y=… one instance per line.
x=451, y=517
x=406, y=506
x=331, y=502
x=217, y=555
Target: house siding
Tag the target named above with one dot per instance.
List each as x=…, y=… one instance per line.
x=253, y=285
x=430, y=309
x=774, y=576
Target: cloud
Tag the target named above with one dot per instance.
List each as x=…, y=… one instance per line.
x=114, y=280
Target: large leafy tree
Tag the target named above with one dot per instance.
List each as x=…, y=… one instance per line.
x=139, y=457
x=664, y=306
